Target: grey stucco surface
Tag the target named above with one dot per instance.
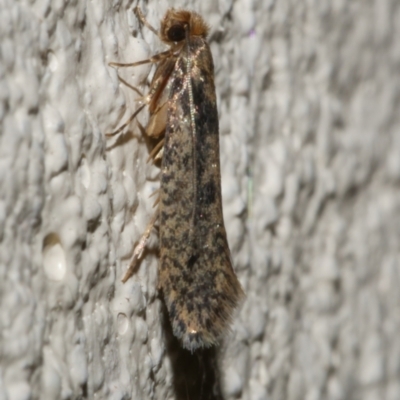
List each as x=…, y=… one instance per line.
x=308, y=97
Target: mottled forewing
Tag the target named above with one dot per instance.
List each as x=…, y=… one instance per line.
x=196, y=276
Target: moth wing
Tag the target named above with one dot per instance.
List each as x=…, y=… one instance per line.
x=200, y=287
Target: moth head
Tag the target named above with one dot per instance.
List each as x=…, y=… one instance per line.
x=177, y=23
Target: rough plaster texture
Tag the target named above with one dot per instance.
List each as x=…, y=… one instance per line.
x=309, y=97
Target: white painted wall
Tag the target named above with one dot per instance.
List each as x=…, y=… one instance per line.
x=309, y=97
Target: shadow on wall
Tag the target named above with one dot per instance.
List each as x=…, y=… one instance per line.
x=195, y=376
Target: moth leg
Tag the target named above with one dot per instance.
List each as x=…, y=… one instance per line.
x=156, y=202
x=155, y=153
x=137, y=254
x=152, y=60
x=131, y=118
x=156, y=193
x=156, y=125
x=159, y=154
x=157, y=122
x=131, y=87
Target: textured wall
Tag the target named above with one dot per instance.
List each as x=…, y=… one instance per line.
x=309, y=97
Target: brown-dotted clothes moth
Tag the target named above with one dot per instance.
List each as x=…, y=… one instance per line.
x=196, y=276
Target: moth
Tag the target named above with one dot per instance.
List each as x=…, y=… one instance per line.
x=196, y=276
